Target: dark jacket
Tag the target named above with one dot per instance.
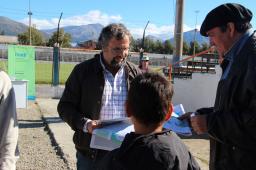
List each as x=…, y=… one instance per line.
x=159, y=151
x=81, y=99
x=232, y=125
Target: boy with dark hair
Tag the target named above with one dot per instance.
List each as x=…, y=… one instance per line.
x=150, y=146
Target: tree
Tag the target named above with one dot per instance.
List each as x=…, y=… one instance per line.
x=185, y=47
x=205, y=46
x=148, y=45
x=64, y=39
x=2, y=32
x=133, y=45
x=168, y=48
x=191, y=49
x=36, y=37
x=159, y=48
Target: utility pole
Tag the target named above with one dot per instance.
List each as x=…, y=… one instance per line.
x=29, y=14
x=58, y=29
x=56, y=64
x=178, y=32
x=194, y=44
x=142, y=44
x=56, y=60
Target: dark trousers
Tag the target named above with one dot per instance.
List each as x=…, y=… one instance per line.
x=89, y=161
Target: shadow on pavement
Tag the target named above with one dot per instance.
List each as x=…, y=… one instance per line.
x=53, y=119
x=194, y=136
x=23, y=124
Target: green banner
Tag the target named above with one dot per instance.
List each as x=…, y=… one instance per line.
x=21, y=66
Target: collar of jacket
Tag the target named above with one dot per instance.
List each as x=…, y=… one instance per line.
x=132, y=139
x=242, y=56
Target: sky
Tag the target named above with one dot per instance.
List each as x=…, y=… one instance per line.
x=133, y=13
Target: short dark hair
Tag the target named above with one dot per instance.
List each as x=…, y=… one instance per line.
x=116, y=30
x=149, y=98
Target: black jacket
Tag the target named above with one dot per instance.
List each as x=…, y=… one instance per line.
x=232, y=125
x=81, y=99
x=159, y=151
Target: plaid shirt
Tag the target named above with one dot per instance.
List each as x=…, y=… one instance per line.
x=114, y=94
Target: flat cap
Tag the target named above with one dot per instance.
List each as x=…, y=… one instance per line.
x=221, y=15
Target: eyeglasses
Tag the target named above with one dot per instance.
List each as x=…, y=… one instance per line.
x=118, y=50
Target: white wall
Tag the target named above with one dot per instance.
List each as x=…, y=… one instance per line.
x=197, y=92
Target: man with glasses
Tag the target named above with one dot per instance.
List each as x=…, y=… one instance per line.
x=97, y=90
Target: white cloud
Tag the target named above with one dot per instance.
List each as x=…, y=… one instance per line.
x=96, y=16
x=152, y=29
x=91, y=17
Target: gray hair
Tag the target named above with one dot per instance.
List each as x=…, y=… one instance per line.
x=118, y=31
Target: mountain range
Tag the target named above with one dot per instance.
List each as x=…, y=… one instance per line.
x=80, y=33
x=11, y=27
x=87, y=32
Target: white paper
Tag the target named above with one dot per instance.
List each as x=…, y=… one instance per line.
x=176, y=125
x=112, y=121
x=111, y=136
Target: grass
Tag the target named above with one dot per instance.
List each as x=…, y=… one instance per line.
x=44, y=71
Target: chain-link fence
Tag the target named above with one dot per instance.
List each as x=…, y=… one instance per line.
x=68, y=59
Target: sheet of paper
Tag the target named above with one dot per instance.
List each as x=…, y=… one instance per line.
x=112, y=121
x=180, y=127
x=111, y=136
x=103, y=143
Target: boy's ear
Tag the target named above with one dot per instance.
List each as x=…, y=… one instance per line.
x=169, y=114
x=128, y=109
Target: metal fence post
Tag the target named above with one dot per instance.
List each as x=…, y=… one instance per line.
x=55, y=70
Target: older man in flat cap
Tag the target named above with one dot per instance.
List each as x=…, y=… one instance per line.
x=231, y=123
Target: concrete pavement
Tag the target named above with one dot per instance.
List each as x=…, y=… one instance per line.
x=60, y=131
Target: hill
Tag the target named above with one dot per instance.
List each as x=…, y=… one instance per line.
x=11, y=27
x=80, y=33
x=189, y=37
x=87, y=32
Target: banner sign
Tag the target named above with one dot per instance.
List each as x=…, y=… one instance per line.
x=21, y=66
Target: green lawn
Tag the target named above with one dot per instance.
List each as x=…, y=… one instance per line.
x=44, y=71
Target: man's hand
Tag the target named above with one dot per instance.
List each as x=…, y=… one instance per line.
x=92, y=125
x=185, y=116
x=198, y=123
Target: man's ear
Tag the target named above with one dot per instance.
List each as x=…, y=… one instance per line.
x=169, y=114
x=231, y=29
x=128, y=109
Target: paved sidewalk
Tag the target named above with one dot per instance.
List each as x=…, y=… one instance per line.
x=60, y=131
x=63, y=134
